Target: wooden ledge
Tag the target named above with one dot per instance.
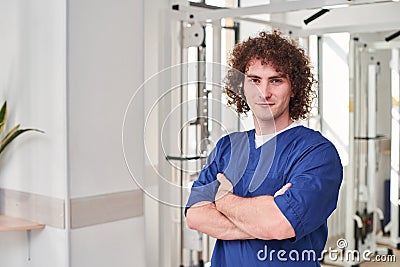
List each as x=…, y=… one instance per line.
x=8, y=223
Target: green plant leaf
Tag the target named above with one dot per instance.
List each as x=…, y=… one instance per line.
x=14, y=133
x=3, y=116
x=9, y=134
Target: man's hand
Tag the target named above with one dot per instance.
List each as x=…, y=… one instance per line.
x=258, y=216
x=282, y=190
x=225, y=186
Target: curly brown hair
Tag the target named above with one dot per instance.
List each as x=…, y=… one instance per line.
x=286, y=57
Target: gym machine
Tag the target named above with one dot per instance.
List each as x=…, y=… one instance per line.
x=365, y=227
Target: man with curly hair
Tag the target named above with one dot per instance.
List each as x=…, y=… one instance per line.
x=266, y=194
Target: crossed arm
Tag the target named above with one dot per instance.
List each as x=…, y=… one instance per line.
x=233, y=218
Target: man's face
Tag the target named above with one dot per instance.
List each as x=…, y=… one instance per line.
x=267, y=93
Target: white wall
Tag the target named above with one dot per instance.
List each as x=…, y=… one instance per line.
x=32, y=80
x=152, y=51
x=334, y=96
x=32, y=69
x=117, y=244
x=105, y=67
x=75, y=85
x=46, y=249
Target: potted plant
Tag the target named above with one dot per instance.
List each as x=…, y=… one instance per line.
x=13, y=133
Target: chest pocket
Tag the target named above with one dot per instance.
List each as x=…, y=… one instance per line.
x=257, y=185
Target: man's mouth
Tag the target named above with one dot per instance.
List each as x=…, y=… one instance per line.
x=265, y=104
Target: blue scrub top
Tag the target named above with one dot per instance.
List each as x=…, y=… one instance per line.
x=298, y=155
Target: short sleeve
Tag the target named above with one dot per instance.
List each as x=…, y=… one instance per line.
x=316, y=178
x=206, y=186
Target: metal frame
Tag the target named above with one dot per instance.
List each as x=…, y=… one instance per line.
x=270, y=8
x=371, y=135
x=361, y=176
x=208, y=13
x=394, y=239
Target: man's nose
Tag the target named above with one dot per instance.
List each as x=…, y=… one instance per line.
x=265, y=90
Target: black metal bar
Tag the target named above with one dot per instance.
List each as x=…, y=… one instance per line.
x=392, y=36
x=369, y=138
x=316, y=15
x=204, y=5
x=185, y=158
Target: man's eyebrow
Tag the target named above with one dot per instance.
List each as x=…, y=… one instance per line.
x=278, y=76
x=253, y=76
x=272, y=77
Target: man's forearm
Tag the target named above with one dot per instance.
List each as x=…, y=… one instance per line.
x=259, y=216
x=205, y=218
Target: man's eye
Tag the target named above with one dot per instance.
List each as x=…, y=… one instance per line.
x=255, y=80
x=275, y=81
